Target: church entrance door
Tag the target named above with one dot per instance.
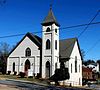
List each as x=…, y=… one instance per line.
x=47, y=69
x=27, y=66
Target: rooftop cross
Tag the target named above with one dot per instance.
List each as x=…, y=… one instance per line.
x=51, y=4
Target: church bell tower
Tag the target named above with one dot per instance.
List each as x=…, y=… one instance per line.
x=50, y=45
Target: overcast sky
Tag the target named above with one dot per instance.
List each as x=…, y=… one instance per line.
x=22, y=16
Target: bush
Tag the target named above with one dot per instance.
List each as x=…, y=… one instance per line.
x=30, y=77
x=22, y=74
x=60, y=74
x=9, y=72
x=3, y=72
x=15, y=73
x=38, y=76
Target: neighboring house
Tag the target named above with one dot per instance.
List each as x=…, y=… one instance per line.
x=43, y=56
x=94, y=66
x=91, y=71
x=87, y=73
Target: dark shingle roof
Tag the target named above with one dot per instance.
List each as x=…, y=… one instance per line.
x=65, y=47
x=37, y=40
x=49, y=19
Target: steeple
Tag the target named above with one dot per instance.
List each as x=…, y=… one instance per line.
x=50, y=18
x=50, y=45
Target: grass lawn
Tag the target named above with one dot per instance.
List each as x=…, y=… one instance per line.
x=16, y=77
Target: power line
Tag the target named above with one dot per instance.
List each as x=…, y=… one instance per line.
x=75, y=26
x=84, y=29
x=80, y=25
x=89, y=24
x=93, y=46
x=96, y=41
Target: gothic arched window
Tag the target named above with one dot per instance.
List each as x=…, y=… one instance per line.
x=14, y=67
x=79, y=68
x=48, y=29
x=55, y=66
x=28, y=52
x=56, y=30
x=75, y=63
x=48, y=44
x=71, y=68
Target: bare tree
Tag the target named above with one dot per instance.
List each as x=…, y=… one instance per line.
x=4, y=52
x=4, y=48
x=83, y=53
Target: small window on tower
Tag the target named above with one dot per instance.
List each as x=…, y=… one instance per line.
x=56, y=30
x=48, y=44
x=56, y=44
x=48, y=29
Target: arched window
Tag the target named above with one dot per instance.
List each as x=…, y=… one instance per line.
x=48, y=44
x=75, y=63
x=28, y=52
x=79, y=68
x=14, y=67
x=56, y=30
x=71, y=68
x=55, y=66
x=55, y=44
x=48, y=29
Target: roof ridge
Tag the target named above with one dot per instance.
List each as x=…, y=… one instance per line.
x=69, y=38
x=33, y=35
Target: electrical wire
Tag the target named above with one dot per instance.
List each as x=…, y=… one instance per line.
x=84, y=29
x=93, y=46
x=75, y=26
x=88, y=24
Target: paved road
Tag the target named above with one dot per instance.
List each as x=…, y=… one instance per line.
x=95, y=87
x=31, y=86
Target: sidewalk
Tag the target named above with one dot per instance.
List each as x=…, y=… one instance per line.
x=42, y=83
x=8, y=87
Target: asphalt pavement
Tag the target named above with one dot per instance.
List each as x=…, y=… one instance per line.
x=20, y=85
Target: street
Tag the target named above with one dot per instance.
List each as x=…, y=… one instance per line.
x=30, y=86
x=95, y=87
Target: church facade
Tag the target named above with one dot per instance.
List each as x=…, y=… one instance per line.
x=43, y=55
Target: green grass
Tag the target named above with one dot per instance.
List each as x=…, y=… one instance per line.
x=16, y=77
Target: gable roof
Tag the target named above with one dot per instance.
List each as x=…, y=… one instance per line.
x=49, y=19
x=66, y=46
x=34, y=38
x=86, y=69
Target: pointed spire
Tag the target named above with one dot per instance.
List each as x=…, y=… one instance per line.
x=50, y=18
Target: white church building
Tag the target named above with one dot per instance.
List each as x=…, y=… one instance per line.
x=43, y=55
